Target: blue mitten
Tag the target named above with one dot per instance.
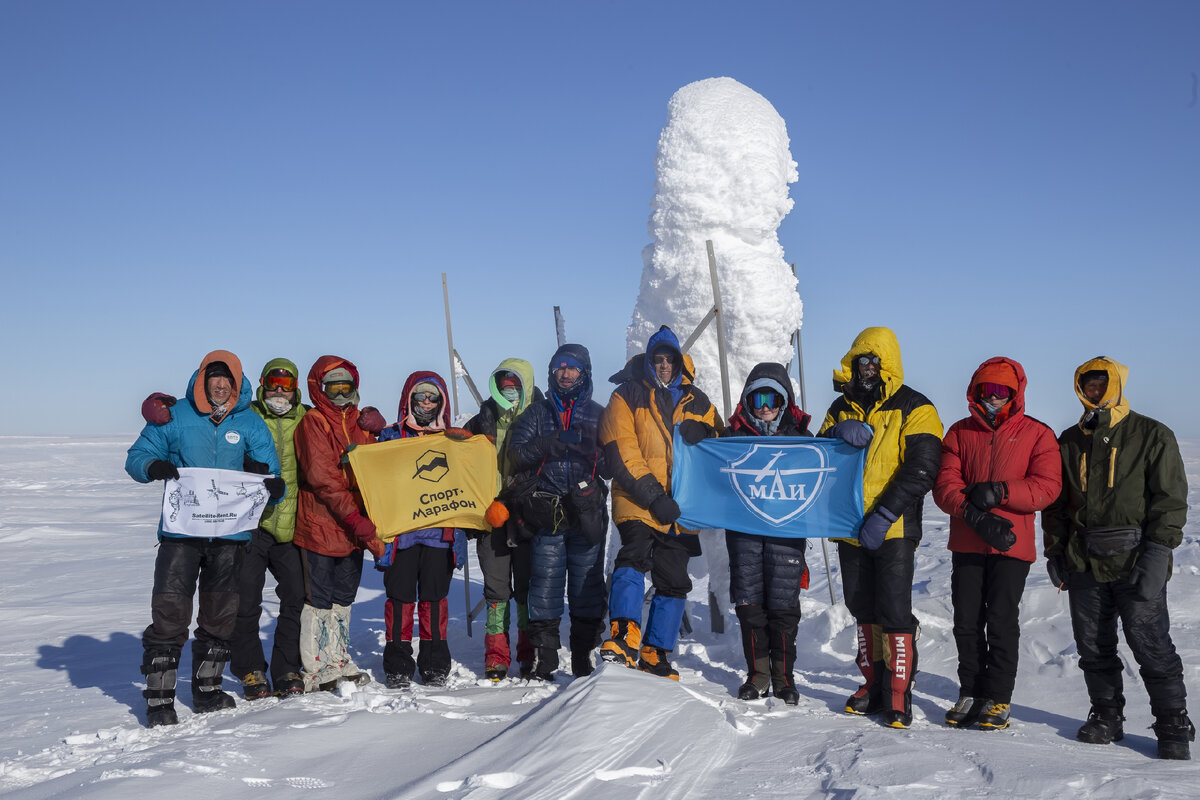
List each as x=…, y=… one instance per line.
x=460, y=549
x=875, y=527
x=853, y=432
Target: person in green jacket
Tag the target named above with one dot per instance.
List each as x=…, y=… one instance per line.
x=1108, y=540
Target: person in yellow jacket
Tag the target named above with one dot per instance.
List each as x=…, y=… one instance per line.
x=903, y=436
x=655, y=394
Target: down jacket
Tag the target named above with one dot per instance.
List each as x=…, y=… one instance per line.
x=280, y=520
x=1124, y=472
x=190, y=439
x=905, y=451
x=1020, y=451
x=328, y=490
x=581, y=415
x=636, y=431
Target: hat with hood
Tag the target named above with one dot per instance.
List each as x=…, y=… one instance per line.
x=878, y=341
x=218, y=363
x=571, y=355
x=1005, y=372
x=1114, y=400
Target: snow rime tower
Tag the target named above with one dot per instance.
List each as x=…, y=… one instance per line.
x=723, y=169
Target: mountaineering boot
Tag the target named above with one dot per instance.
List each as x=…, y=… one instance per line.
x=524, y=646
x=398, y=663
x=964, y=713
x=316, y=660
x=869, y=697
x=624, y=643
x=289, y=684
x=255, y=686
x=496, y=647
x=208, y=662
x=1174, y=731
x=900, y=655
x=783, y=657
x=654, y=660
x=994, y=716
x=584, y=639
x=1103, y=725
x=161, y=668
x=756, y=649
x=347, y=669
x=545, y=662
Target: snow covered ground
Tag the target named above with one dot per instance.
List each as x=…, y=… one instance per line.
x=77, y=537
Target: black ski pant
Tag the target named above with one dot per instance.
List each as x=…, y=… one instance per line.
x=282, y=559
x=331, y=580
x=878, y=584
x=505, y=568
x=986, y=591
x=180, y=565
x=1095, y=609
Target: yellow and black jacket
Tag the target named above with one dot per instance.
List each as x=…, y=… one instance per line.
x=1120, y=470
x=636, y=431
x=906, y=449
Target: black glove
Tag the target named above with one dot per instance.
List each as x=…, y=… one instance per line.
x=1149, y=573
x=585, y=447
x=665, y=509
x=552, y=447
x=996, y=531
x=646, y=490
x=1056, y=568
x=693, y=431
x=257, y=467
x=275, y=487
x=161, y=470
x=987, y=494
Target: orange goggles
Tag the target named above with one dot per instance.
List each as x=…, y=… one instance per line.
x=285, y=383
x=334, y=388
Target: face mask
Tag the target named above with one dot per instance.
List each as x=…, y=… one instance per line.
x=278, y=405
x=219, y=412
x=512, y=394
x=341, y=400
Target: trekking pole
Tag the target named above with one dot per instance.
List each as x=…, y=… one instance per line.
x=804, y=405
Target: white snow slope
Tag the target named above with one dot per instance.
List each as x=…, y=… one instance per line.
x=78, y=544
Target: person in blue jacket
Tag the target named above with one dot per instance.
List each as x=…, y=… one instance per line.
x=557, y=439
x=218, y=430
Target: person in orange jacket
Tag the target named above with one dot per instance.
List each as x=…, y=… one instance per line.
x=999, y=467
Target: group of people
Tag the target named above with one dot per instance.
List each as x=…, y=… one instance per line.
x=1112, y=492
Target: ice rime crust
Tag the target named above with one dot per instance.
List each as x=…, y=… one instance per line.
x=723, y=168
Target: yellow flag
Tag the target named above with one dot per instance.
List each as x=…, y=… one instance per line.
x=426, y=482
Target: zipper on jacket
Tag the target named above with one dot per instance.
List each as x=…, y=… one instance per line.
x=1112, y=466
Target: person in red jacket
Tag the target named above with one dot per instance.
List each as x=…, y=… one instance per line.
x=332, y=528
x=999, y=466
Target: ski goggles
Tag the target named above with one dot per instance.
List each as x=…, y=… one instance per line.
x=997, y=390
x=334, y=388
x=868, y=360
x=283, y=382
x=426, y=397
x=766, y=399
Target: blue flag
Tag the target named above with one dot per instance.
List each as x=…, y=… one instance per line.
x=791, y=486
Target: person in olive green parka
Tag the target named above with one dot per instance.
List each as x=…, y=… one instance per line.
x=1108, y=540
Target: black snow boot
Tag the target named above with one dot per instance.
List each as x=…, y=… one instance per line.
x=783, y=660
x=543, y=635
x=398, y=663
x=757, y=650
x=161, y=668
x=1174, y=731
x=585, y=638
x=1103, y=724
x=208, y=664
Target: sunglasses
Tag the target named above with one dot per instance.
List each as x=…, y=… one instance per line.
x=286, y=383
x=664, y=358
x=766, y=399
x=334, y=388
x=865, y=360
x=426, y=397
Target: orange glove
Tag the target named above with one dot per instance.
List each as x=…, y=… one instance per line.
x=496, y=514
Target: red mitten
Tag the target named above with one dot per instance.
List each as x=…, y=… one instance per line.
x=156, y=409
x=362, y=528
x=370, y=420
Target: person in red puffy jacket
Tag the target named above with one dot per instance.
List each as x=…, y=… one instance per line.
x=999, y=467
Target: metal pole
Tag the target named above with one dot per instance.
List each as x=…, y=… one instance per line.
x=453, y=381
x=712, y=271
x=560, y=326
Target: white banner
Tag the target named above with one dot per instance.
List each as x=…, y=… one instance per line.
x=213, y=502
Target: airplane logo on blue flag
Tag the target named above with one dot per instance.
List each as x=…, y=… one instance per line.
x=789, y=486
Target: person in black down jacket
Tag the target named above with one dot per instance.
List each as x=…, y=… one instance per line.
x=766, y=573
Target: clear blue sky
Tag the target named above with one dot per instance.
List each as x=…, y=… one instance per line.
x=292, y=178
